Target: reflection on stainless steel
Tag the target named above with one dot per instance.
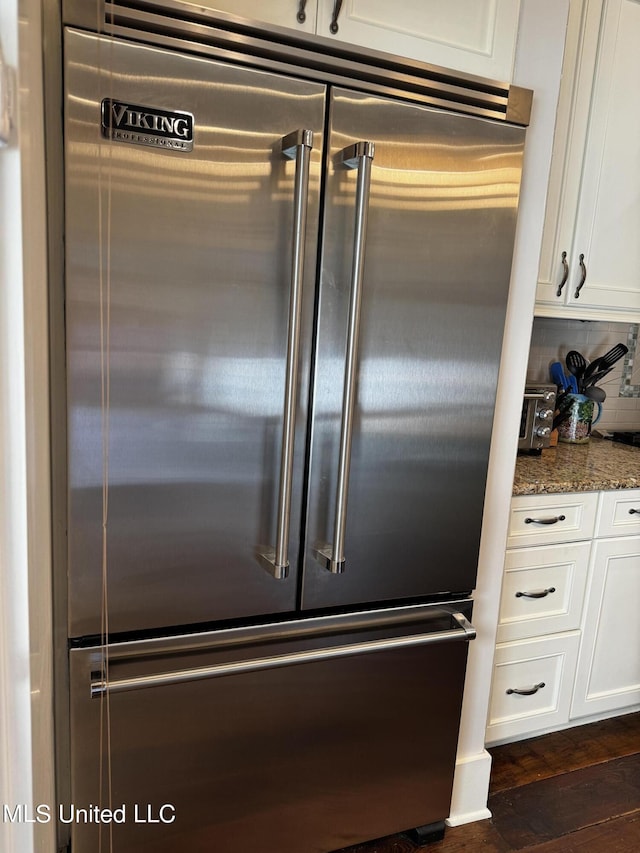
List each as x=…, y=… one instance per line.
x=432, y=316
x=195, y=327
x=276, y=382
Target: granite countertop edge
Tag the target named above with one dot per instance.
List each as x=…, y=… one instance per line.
x=594, y=467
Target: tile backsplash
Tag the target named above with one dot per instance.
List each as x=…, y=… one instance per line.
x=552, y=339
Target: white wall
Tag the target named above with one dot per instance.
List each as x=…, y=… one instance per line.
x=538, y=66
x=25, y=646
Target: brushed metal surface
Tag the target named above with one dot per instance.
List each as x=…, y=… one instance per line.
x=306, y=759
x=442, y=213
x=199, y=248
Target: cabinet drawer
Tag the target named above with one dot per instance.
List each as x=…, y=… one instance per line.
x=619, y=513
x=544, y=519
x=542, y=670
x=543, y=590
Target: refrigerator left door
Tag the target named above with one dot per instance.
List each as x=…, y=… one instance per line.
x=185, y=235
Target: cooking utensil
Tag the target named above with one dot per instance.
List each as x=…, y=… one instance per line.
x=576, y=365
x=560, y=417
x=614, y=354
x=557, y=375
x=598, y=395
x=589, y=383
x=605, y=361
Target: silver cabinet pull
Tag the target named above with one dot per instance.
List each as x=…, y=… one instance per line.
x=565, y=274
x=358, y=156
x=583, y=277
x=525, y=691
x=301, y=17
x=333, y=26
x=539, y=593
x=554, y=519
x=464, y=632
x=296, y=145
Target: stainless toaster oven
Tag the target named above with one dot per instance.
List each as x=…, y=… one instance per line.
x=538, y=406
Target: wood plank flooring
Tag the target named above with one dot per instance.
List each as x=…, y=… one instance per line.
x=570, y=791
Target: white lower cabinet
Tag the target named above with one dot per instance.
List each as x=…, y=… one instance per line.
x=568, y=632
x=608, y=674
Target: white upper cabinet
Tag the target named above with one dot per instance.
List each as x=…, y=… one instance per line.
x=473, y=36
x=593, y=206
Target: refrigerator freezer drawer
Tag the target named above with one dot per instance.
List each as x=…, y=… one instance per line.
x=347, y=732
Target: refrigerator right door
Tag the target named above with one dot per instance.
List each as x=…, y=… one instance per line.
x=420, y=214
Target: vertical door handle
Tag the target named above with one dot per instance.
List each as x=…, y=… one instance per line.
x=565, y=274
x=296, y=145
x=333, y=26
x=358, y=156
x=583, y=277
x=301, y=17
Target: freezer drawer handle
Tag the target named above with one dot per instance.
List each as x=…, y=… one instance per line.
x=464, y=632
x=358, y=156
x=296, y=145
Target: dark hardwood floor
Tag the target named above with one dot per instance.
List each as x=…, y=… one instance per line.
x=570, y=791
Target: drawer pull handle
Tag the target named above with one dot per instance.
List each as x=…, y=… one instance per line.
x=553, y=520
x=539, y=593
x=525, y=691
x=633, y=511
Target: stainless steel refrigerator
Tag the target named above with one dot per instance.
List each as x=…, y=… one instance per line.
x=285, y=296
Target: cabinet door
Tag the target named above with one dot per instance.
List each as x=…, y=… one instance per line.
x=578, y=69
x=298, y=14
x=594, y=203
x=473, y=36
x=608, y=675
x=608, y=217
